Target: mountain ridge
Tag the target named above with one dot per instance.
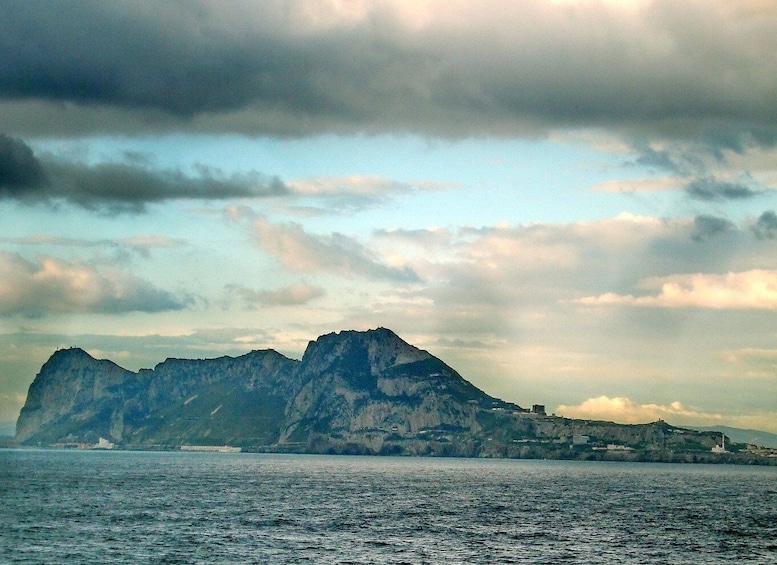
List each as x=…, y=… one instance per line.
x=743, y=435
x=366, y=392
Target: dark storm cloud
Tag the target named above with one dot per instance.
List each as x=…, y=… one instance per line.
x=766, y=225
x=718, y=140
x=122, y=186
x=298, y=67
x=116, y=187
x=660, y=160
x=710, y=190
x=170, y=56
x=19, y=169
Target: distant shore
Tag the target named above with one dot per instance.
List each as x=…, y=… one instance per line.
x=648, y=456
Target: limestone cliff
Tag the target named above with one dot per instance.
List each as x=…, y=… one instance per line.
x=72, y=386
x=352, y=392
x=347, y=383
x=366, y=387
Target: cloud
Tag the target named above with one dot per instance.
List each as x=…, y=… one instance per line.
x=507, y=258
x=141, y=244
x=337, y=253
x=638, y=185
x=536, y=282
x=116, y=187
x=626, y=411
x=661, y=160
x=701, y=166
x=766, y=225
x=495, y=281
x=711, y=190
x=293, y=295
x=345, y=194
x=354, y=185
x=753, y=362
x=706, y=227
x=125, y=187
x=53, y=286
x=296, y=68
x=130, y=185
x=19, y=169
x=755, y=289
x=428, y=240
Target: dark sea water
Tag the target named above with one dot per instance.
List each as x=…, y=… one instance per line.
x=91, y=507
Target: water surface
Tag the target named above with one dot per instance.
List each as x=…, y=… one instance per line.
x=86, y=507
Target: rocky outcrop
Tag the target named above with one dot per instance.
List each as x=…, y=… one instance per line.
x=352, y=392
x=77, y=399
x=72, y=387
x=374, y=384
x=346, y=384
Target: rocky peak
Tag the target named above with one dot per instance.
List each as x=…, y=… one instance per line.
x=67, y=358
x=353, y=392
x=345, y=382
x=358, y=355
x=74, y=367
x=69, y=381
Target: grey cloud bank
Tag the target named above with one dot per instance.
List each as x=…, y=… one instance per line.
x=710, y=190
x=20, y=171
x=116, y=187
x=453, y=69
x=684, y=84
x=766, y=225
x=657, y=284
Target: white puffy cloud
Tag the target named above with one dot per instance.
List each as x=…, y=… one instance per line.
x=626, y=411
x=516, y=290
x=50, y=285
x=755, y=289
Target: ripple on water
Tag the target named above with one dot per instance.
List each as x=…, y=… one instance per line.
x=119, y=507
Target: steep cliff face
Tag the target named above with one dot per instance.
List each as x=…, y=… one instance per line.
x=72, y=386
x=358, y=383
x=347, y=383
x=228, y=400
x=350, y=386
x=78, y=399
x=352, y=392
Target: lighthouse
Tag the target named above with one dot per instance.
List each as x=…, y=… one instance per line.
x=722, y=447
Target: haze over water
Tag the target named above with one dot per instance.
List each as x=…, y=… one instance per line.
x=80, y=507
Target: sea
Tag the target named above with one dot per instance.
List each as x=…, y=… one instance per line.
x=109, y=507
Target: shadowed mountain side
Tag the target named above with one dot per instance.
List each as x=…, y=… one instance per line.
x=72, y=390
x=352, y=392
x=177, y=400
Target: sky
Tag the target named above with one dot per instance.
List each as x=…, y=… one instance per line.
x=570, y=202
